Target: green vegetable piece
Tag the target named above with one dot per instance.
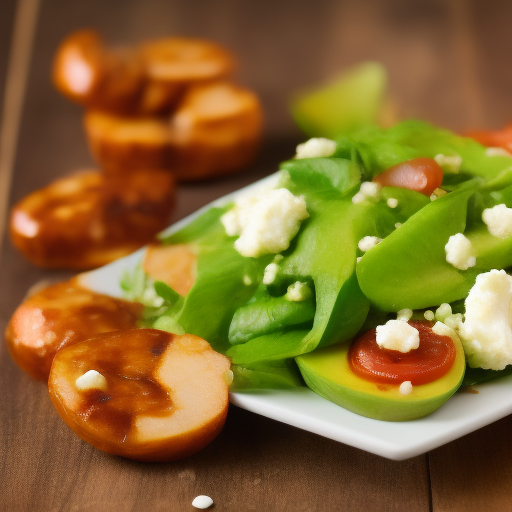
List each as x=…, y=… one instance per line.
x=354, y=99
x=474, y=376
x=381, y=148
x=327, y=372
x=409, y=269
x=270, y=314
x=278, y=375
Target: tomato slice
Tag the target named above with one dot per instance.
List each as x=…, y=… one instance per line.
x=494, y=138
x=430, y=361
x=423, y=175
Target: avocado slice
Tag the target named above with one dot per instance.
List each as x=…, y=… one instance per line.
x=327, y=373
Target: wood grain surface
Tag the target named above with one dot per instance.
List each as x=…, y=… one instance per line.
x=448, y=63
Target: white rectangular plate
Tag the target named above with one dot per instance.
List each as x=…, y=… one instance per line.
x=462, y=414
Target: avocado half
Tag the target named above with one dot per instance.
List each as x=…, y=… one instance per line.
x=327, y=373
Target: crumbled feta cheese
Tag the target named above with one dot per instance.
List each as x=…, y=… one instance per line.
x=359, y=259
x=298, y=292
x=404, y=315
x=367, y=190
x=486, y=332
x=459, y=252
x=438, y=192
x=429, y=315
x=406, y=387
x=392, y=202
x=497, y=152
x=270, y=273
x=498, y=220
x=202, y=502
x=317, y=147
x=398, y=225
x=453, y=321
x=442, y=329
x=265, y=222
x=91, y=380
x=247, y=280
x=398, y=335
x=443, y=311
x=368, y=242
x=449, y=163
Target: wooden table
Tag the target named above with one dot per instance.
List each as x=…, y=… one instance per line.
x=449, y=62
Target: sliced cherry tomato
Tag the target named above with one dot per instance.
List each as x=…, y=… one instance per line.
x=494, y=138
x=430, y=361
x=423, y=175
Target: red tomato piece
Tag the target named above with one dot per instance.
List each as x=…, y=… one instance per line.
x=430, y=361
x=423, y=175
x=494, y=138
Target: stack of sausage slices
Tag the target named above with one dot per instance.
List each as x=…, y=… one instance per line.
x=157, y=113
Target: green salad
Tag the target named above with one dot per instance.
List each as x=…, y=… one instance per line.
x=355, y=256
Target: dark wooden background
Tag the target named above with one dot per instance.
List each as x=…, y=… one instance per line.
x=449, y=62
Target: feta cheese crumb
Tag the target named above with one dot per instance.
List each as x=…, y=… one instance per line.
x=398, y=225
x=406, y=387
x=247, y=280
x=497, y=152
x=459, y=252
x=368, y=242
x=202, y=502
x=270, y=273
x=392, y=202
x=438, y=192
x=498, y=220
x=453, y=321
x=316, y=148
x=486, y=332
x=429, y=315
x=359, y=258
x=398, y=335
x=443, y=330
x=298, y=292
x=367, y=190
x=91, y=380
x=404, y=315
x=443, y=311
x=265, y=222
x=449, y=163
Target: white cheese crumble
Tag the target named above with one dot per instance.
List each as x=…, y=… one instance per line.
x=459, y=252
x=398, y=225
x=265, y=222
x=443, y=311
x=438, y=192
x=454, y=321
x=486, y=332
x=429, y=315
x=498, y=220
x=91, y=380
x=497, y=152
x=270, y=273
x=398, y=335
x=317, y=147
x=202, y=502
x=368, y=190
x=404, y=315
x=444, y=330
x=392, y=202
x=368, y=242
x=449, y=163
x=247, y=280
x=406, y=387
x=298, y=292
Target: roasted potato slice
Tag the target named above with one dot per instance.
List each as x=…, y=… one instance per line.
x=59, y=315
x=89, y=74
x=184, y=61
x=120, y=143
x=90, y=219
x=143, y=394
x=216, y=130
x=175, y=265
